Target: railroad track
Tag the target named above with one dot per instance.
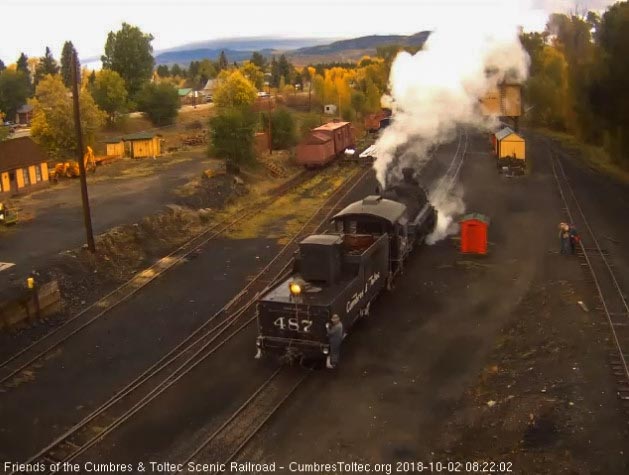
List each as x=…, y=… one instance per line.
x=612, y=299
x=451, y=174
x=40, y=348
x=226, y=442
x=220, y=328
x=455, y=174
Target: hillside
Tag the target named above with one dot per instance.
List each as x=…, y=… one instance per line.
x=363, y=43
x=184, y=57
x=240, y=49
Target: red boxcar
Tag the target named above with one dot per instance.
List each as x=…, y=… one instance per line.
x=325, y=143
x=373, y=122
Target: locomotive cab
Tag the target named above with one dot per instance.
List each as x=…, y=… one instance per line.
x=377, y=216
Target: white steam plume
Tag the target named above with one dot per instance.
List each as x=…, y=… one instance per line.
x=438, y=89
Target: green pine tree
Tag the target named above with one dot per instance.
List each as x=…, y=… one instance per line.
x=66, y=63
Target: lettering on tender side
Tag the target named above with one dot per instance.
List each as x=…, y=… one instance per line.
x=358, y=296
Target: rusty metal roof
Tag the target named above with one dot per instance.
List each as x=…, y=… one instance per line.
x=331, y=126
x=317, y=138
x=20, y=152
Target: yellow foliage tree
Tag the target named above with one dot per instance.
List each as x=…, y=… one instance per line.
x=234, y=90
x=53, y=122
x=253, y=73
x=548, y=89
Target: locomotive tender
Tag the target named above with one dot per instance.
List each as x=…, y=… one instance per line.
x=342, y=272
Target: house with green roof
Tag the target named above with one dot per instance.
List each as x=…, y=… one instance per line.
x=186, y=95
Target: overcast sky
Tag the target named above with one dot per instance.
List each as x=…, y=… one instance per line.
x=31, y=25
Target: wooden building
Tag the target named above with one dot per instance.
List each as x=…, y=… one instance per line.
x=187, y=95
x=261, y=142
x=24, y=115
x=23, y=166
x=114, y=147
x=504, y=101
x=143, y=144
x=510, y=145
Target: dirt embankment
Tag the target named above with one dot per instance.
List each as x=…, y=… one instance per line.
x=541, y=402
x=124, y=250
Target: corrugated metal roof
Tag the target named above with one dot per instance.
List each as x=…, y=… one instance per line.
x=113, y=140
x=376, y=206
x=140, y=136
x=501, y=134
x=331, y=126
x=20, y=152
x=184, y=91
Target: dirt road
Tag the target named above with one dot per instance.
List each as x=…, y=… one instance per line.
x=52, y=220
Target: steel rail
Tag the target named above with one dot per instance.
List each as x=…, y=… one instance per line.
x=458, y=168
x=133, y=285
x=248, y=403
x=556, y=163
x=285, y=390
x=192, y=361
x=452, y=162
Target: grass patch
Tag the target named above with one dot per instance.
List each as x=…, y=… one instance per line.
x=592, y=156
x=288, y=213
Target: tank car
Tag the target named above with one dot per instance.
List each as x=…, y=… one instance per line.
x=342, y=272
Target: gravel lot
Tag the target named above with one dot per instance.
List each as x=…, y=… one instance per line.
x=466, y=359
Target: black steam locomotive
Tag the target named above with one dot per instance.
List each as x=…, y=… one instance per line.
x=342, y=272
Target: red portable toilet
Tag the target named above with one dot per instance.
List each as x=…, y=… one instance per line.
x=474, y=233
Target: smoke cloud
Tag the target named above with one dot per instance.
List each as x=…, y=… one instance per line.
x=437, y=90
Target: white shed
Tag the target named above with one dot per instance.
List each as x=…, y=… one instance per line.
x=329, y=109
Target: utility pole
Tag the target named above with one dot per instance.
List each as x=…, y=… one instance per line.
x=87, y=217
x=270, y=120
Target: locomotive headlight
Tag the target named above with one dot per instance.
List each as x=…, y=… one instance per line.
x=294, y=288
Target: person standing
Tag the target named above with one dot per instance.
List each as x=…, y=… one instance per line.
x=564, y=238
x=574, y=238
x=335, y=337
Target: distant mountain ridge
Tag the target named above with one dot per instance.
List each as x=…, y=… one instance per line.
x=241, y=49
x=363, y=43
x=184, y=57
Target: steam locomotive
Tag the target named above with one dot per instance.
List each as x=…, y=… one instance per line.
x=342, y=272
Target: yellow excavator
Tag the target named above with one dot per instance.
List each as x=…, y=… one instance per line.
x=71, y=168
